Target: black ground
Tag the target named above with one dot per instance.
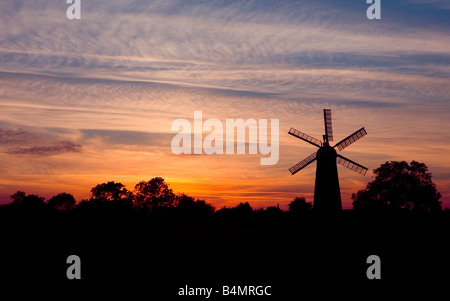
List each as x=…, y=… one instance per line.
x=164, y=252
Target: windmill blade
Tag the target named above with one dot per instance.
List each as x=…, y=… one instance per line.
x=305, y=137
x=302, y=164
x=350, y=139
x=328, y=125
x=351, y=165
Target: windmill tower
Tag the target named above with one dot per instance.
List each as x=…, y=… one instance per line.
x=327, y=195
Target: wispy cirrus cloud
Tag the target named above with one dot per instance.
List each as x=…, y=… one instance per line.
x=180, y=37
x=20, y=142
x=58, y=148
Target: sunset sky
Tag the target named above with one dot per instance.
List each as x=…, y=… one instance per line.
x=93, y=100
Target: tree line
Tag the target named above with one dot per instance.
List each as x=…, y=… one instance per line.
x=153, y=195
x=396, y=186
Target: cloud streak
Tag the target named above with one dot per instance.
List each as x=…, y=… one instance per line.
x=20, y=142
x=179, y=36
x=61, y=147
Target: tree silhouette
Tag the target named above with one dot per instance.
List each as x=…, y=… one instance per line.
x=108, y=201
x=154, y=194
x=31, y=201
x=185, y=202
x=18, y=197
x=187, y=205
x=111, y=191
x=399, y=185
x=243, y=209
x=299, y=205
x=62, y=201
x=203, y=207
x=270, y=212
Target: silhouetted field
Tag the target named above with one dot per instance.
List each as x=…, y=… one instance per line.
x=168, y=249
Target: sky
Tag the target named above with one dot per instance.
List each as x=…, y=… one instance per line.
x=92, y=100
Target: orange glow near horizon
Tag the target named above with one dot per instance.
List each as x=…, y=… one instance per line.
x=222, y=180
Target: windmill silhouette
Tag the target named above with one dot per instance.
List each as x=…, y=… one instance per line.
x=327, y=195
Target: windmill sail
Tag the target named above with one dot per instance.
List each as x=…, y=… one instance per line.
x=328, y=125
x=351, y=165
x=351, y=139
x=327, y=193
x=302, y=164
x=305, y=137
